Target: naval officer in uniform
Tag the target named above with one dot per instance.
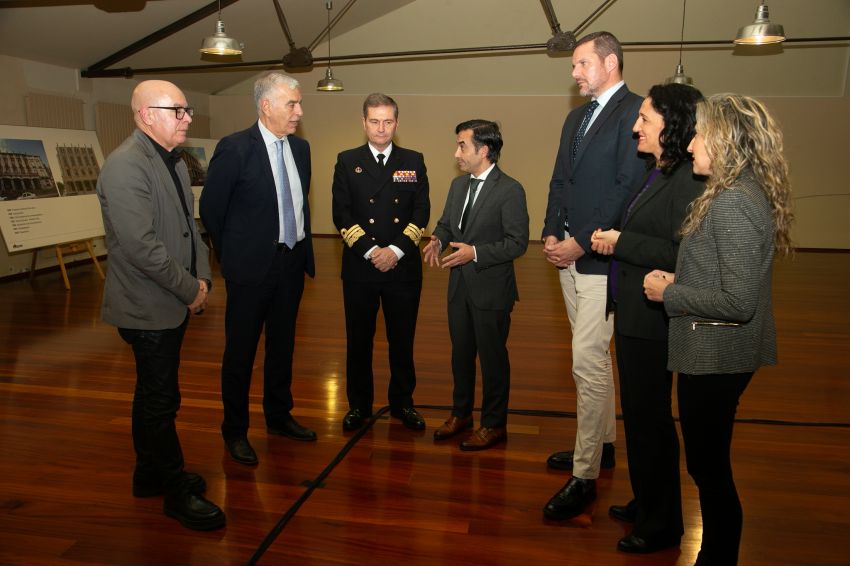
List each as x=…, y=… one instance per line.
x=380, y=207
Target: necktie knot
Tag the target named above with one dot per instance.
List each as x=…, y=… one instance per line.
x=381, y=158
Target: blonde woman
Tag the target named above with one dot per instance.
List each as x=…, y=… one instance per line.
x=719, y=300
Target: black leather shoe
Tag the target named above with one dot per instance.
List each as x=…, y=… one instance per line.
x=409, y=417
x=354, y=419
x=144, y=488
x=638, y=545
x=241, y=451
x=193, y=511
x=627, y=512
x=564, y=460
x=291, y=429
x=573, y=498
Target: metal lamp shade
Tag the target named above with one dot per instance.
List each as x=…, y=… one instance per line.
x=760, y=32
x=219, y=44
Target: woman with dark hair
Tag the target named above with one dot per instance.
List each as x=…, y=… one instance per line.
x=719, y=301
x=648, y=238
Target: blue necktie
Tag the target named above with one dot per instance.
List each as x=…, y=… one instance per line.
x=582, y=129
x=290, y=236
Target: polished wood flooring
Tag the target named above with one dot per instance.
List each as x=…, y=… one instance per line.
x=66, y=381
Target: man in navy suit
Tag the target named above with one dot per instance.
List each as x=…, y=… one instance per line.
x=255, y=209
x=596, y=168
x=381, y=208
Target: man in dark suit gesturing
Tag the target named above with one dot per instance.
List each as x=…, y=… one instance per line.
x=596, y=168
x=254, y=206
x=381, y=208
x=485, y=222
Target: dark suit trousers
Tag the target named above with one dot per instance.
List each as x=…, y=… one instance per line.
x=272, y=304
x=155, y=403
x=707, y=407
x=652, y=444
x=483, y=333
x=400, y=300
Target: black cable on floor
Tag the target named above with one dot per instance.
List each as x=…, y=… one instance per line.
x=273, y=534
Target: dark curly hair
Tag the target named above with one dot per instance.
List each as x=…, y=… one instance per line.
x=677, y=105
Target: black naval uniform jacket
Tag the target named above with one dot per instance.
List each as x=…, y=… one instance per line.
x=379, y=207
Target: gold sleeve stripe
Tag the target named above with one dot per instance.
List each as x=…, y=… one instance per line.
x=414, y=233
x=351, y=235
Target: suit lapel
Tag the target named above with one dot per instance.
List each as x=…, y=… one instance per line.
x=606, y=112
x=657, y=186
x=263, y=155
x=484, y=192
x=162, y=173
x=367, y=161
x=295, y=145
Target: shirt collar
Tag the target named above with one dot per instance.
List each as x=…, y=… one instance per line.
x=483, y=176
x=603, y=98
x=268, y=137
x=386, y=152
x=170, y=157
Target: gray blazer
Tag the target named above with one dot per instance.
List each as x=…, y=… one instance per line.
x=148, y=284
x=720, y=305
x=498, y=228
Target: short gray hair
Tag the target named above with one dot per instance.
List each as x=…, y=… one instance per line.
x=264, y=85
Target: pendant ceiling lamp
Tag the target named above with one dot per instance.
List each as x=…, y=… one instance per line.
x=760, y=32
x=219, y=43
x=679, y=77
x=329, y=83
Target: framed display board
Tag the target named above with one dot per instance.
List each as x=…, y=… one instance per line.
x=47, y=186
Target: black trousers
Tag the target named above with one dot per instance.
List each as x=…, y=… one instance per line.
x=707, y=407
x=483, y=333
x=271, y=305
x=400, y=300
x=156, y=400
x=652, y=443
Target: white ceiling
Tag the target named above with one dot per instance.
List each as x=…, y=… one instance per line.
x=78, y=34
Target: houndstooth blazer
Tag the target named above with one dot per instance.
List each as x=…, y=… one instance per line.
x=720, y=307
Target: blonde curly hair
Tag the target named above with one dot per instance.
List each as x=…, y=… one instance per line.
x=739, y=134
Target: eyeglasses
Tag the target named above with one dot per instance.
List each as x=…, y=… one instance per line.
x=179, y=111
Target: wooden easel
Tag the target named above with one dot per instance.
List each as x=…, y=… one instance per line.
x=69, y=248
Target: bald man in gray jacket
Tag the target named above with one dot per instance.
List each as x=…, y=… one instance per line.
x=157, y=274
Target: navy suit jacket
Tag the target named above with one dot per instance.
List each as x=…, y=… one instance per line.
x=590, y=192
x=239, y=205
x=391, y=205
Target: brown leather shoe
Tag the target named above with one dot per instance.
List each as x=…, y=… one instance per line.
x=453, y=426
x=485, y=438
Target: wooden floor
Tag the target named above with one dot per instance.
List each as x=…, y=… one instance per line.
x=66, y=381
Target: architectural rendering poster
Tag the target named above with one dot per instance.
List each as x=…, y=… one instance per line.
x=47, y=186
x=197, y=153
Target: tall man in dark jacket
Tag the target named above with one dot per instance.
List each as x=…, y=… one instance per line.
x=158, y=273
x=255, y=208
x=381, y=208
x=596, y=168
